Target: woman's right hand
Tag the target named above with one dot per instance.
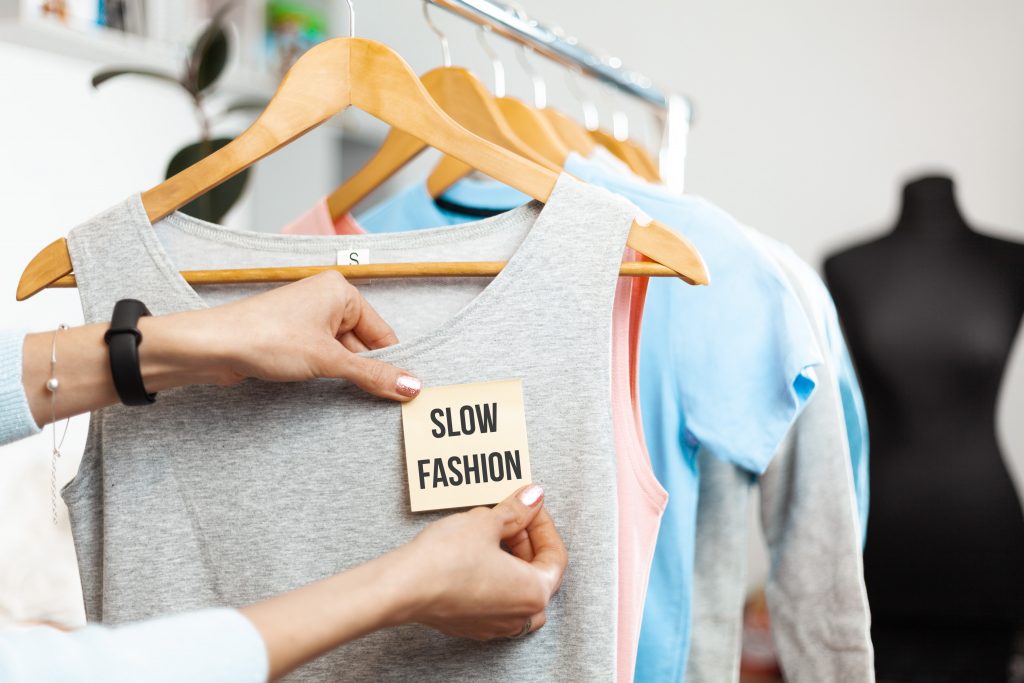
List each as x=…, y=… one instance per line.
x=470, y=586
x=482, y=574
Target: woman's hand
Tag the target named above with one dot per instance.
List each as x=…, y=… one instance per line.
x=471, y=587
x=455, y=577
x=307, y=329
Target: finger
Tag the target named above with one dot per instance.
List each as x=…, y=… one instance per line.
x=531, y=625
x=537, y=621
x=513, y=514
x=371, y=375
x=351, y=342
x=549, y=553
x=371, y=328
x=520, y=546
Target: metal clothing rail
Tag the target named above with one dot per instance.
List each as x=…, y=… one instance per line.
x=674, y=110
x=566, y=50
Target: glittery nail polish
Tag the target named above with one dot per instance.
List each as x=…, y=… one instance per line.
x=531, y=495
x=407, y=385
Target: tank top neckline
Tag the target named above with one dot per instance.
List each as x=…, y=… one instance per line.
x=534, y=216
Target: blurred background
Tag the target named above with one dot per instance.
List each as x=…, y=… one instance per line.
x=809, y=117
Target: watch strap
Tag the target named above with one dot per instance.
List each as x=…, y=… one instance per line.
x=123, y=340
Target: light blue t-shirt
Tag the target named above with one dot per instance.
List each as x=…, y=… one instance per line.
x=727, y=367
x=855, y=415
x=413, y=208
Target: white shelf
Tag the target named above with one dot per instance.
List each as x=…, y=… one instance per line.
x=107, y=47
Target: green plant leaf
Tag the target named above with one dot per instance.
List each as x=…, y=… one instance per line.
x=213, y=60
x=213, y=205
x=210, y=53
x=106, y=74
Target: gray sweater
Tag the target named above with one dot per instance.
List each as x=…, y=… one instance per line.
x=815, y=590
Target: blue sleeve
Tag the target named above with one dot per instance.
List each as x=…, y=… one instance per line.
x=854, y=413
x=742, y=350
x=211, y=646
x=16, y=421
x=856, y=419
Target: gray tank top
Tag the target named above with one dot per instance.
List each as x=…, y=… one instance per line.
x=227, y=495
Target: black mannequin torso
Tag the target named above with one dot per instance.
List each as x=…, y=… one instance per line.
x=930, y=312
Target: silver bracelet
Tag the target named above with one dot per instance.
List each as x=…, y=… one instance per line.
x=52, y=385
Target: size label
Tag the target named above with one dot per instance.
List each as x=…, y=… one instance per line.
x=465, y=444
x=353, y=257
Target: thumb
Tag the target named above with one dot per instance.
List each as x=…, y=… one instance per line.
x=374, y=376
x=516, y=512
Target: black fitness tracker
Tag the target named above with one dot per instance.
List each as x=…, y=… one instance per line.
x=123, y=339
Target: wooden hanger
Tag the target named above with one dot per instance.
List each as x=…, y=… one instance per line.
x=534, y=129
x=326, y=80
x=646, y=160
x=529, y=126
x=576, y=137
x=449, y=170
x=463, y=97
x=626, y=153
x=580, y=140
x=541, y=136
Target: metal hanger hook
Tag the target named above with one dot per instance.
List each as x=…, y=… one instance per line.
x=620, y=125
x=591, y=117
x=620, y=121
x=446, y=53
x=351, y=19
x=496, y=64
x=540, y=88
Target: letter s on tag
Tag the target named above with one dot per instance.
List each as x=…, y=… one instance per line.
x=353, y=257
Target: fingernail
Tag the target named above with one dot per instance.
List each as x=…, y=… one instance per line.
x=531, y=495
x=407, y=385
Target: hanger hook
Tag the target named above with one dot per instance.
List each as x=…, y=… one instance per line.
x=445, y=51
x=591, y=118
x=620, y=125
x=496, y=64
x=540, y=88
x=620, y=120
x=351, y=19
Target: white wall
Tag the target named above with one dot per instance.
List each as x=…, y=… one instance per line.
x=809, y=115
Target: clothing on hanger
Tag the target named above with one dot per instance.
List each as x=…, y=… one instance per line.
x=327, y=79
x=820, y=620
x=183, y=530
x=745, y=389
x=641, y=499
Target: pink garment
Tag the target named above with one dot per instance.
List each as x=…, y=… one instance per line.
x=641, y=497
x=317, y=221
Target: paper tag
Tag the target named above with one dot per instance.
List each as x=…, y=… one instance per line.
x=353, y=257
x=465, y=444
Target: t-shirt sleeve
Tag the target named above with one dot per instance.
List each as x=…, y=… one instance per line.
x=856, y=418
x=210, y=646
x=742, y=347
x=16, y=421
